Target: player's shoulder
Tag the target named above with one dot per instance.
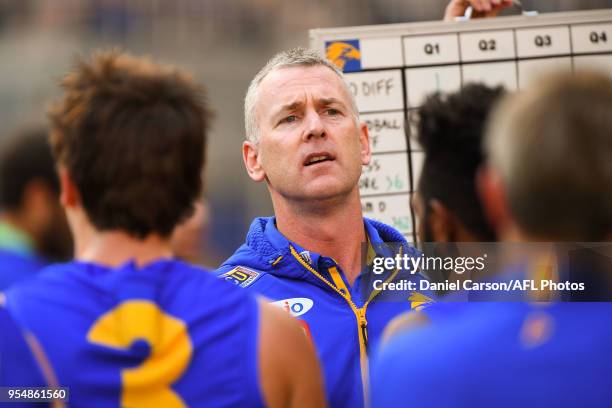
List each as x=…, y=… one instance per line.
x=190, y=281
x=58, y=281
x=47, y=279
x=16, y=260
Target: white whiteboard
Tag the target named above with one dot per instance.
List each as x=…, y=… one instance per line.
x=392, y=68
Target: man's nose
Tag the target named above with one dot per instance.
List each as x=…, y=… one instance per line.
x=314, y=126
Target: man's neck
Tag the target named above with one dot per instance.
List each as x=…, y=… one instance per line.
x=332, y=230
x=114, y=248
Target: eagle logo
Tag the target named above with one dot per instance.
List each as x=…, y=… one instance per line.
x=344, y=54
x=418, y=300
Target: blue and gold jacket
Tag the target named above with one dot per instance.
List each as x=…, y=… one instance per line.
x=343, y=321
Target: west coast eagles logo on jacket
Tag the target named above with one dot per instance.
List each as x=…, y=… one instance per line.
x=241, y=276
x=296, y=307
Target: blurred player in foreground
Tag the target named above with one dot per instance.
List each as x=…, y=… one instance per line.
x=548, y=179
x=33, y=228
x=19, y=366
x=126, y=324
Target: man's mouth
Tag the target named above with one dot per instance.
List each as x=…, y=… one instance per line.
x=318, y=158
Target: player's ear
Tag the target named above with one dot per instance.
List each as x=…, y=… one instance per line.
x=252, y=162
x=441, y=222
x=418, y=206
x=493, y=198
x=364, y=139
x=69, y=193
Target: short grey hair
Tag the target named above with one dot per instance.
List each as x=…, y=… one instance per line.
x=296, y=57
x=552, y=148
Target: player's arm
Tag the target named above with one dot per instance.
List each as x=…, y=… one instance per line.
x=482, y=8
x=289, y=370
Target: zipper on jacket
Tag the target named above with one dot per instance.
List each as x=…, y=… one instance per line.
x=364, y=331
x=360, y=314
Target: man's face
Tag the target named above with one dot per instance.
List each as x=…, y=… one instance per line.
x=56, y=243
x=51, y=234
x=310, y=145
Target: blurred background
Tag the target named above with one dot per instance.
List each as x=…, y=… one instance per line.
x=222, y=42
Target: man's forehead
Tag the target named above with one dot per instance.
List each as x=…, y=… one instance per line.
x=291, y=84
x=299, y=75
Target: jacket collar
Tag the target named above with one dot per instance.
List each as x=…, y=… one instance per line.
x=266, y=249
x=378, y=233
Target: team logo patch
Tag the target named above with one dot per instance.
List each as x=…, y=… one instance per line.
x=295, y=306
x=346, y=54
x=418, y=300
x=241, y=276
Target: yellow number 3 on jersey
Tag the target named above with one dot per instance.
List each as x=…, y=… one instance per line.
x=149, y=384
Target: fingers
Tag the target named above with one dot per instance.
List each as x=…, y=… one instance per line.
x=486, y=6
x=505, y=4
x=482, y=8
x=455, y=8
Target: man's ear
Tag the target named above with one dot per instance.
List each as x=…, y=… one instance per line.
x=441, y=222
x=250, y=156
x=364, y=139
x=493, y=198
x=69, y=193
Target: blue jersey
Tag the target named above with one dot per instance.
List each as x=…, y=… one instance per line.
x=500, y=355
x=18, y=367
x=17, y=364
x=16, y=267
x=165, y=334
x=344, y=321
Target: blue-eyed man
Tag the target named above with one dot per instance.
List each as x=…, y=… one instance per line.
x=305, y=140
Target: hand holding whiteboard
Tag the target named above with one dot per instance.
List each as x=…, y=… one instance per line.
x=391, y=68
